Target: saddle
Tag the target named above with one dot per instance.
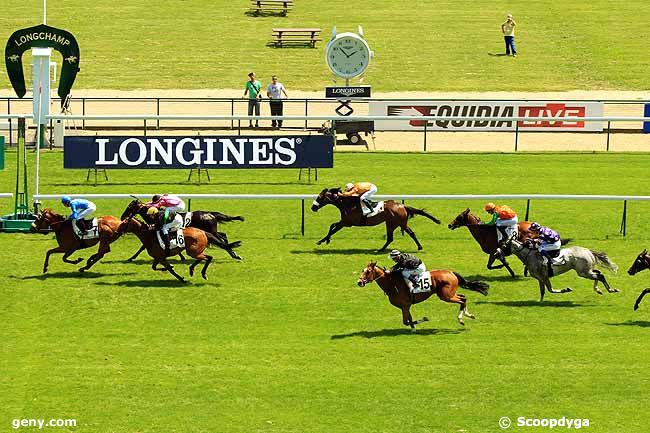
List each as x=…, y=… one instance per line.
x=90, y=234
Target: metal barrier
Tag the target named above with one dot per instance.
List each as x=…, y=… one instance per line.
x=6, y=195
x=303, y=197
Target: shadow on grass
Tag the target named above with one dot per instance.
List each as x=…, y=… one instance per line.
x=326, y=250
x=76, y=275
x=502, y=278
x=639, y=323
x=497, y=54
x=552, y=304
x=398, y=332
x=171, y=283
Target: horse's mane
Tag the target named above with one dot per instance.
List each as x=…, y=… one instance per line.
x=334, y=190
x=51, y=211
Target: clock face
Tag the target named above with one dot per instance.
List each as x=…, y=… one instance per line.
x=348, y=55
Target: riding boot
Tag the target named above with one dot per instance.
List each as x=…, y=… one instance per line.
x=165, y=238
x=549, y=263
x=414, y=280
x=370, y=205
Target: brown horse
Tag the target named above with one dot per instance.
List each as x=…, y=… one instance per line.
x=642, y=262
x=444, y=283
x=68, y=242
x=196, y=241
x=486, y=236
x=394, y=215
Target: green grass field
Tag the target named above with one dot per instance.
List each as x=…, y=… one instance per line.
x=286, y=342
x=419, y=45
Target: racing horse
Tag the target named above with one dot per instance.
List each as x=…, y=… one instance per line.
x=641, y=262
x=444, y=283
x=486, y=236
x=581, y=260
x=393, y=215
x=68, y=241
x=204, y=220
x=196, y=241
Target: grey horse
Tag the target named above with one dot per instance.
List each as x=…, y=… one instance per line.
x=580, y=259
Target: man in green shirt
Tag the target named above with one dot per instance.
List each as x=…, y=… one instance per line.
x=253, y=87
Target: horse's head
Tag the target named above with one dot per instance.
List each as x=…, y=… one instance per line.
x=463, y=219
x=45, y=219
x=370, y=273
x=642, y=262
x=132, y=209
x=326, y=196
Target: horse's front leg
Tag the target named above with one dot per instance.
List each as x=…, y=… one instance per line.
x=638, y=300
x=57, y=250
x=134, y=256
x=407, y=319
x=601, y=278
x=104, y=248
x=75, y=261
x=550, y=288
x=334, y=227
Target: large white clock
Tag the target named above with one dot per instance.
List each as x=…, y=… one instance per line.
x=348, y=55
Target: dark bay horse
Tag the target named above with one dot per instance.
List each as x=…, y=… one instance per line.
x=68, y=242
x=486, y=236
x=444, y=283
x=394, y=215
x=641, y=262
x=196, y=241
x=204, y=220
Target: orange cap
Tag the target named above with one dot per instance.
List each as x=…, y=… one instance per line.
x=489, y=206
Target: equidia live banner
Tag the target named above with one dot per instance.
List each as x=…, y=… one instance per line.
x=315, y=151
x=486, y=109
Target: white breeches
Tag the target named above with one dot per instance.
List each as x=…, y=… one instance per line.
x=87, y=214
x=510, y=227
x=180, y=207
x=406, y=273
x=176, y=224
x=368, y=194
x=549, y=247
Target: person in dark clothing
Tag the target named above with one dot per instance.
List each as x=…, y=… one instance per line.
x=409, y=266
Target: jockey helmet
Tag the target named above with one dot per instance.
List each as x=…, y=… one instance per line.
x=535, y=227
x=349, y=186
x=152, y=211
x=394, y=254
x=155, y=197
x=489, y=207
x=66, y=200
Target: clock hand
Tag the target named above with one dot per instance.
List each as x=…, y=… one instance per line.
x=343, y=51
x=352, y=53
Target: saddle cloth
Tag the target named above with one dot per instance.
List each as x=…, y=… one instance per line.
x=379, y=208
x=93, y=233
x=176, y=239
x=424, y=284
x=187, y=219
x=559, y=260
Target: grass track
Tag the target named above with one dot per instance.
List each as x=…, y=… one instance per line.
x=420, y=45
x=286, y=342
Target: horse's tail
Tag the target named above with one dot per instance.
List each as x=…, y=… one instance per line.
x=223, y=218
x=475, y=285
x=221, y=242
x=565, y=241
x=601, y=257
x=411, y=212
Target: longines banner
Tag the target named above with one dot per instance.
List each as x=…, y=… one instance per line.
x=304, y=151
x=347, y=92
x=486, y=109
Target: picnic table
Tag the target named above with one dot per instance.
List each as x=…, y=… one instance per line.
x=282, y=6
x=285, y=36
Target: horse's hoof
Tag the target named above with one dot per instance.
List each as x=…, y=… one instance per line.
x=413, y=331
x=82, y=270
x=205, y=277
x=615, y=290
x=461, y=322
x=191, y=272
x=419, y=248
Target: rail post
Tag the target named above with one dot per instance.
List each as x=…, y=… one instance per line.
x=306, y=111
x=426, y=122
x=158, y=113
x=145, y=127
x=609, y=125
x=302, y=217
x=516, y=135
x=623, y=229
x=83, y=112
x=232, y=113
x=10, y=124
x=189, y=204
x=527, y=209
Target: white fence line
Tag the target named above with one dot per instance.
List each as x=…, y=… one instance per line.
x=325, y=117
x=6, y=195
x=381, y=196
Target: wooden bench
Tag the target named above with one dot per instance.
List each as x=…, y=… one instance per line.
x=284, y=37
x=281, y=6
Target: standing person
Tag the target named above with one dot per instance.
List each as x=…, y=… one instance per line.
x=274, y=91
x=253, y=87
x=508, y=30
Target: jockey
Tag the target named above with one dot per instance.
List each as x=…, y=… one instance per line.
x=504, y=218
x=167, y=201
x=82, y=211
x=410, y=266
x=364, y=190
x=167, y=220
x=548, y=241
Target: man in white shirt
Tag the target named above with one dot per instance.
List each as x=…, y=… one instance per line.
x=274, y=92
x=508, y=30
